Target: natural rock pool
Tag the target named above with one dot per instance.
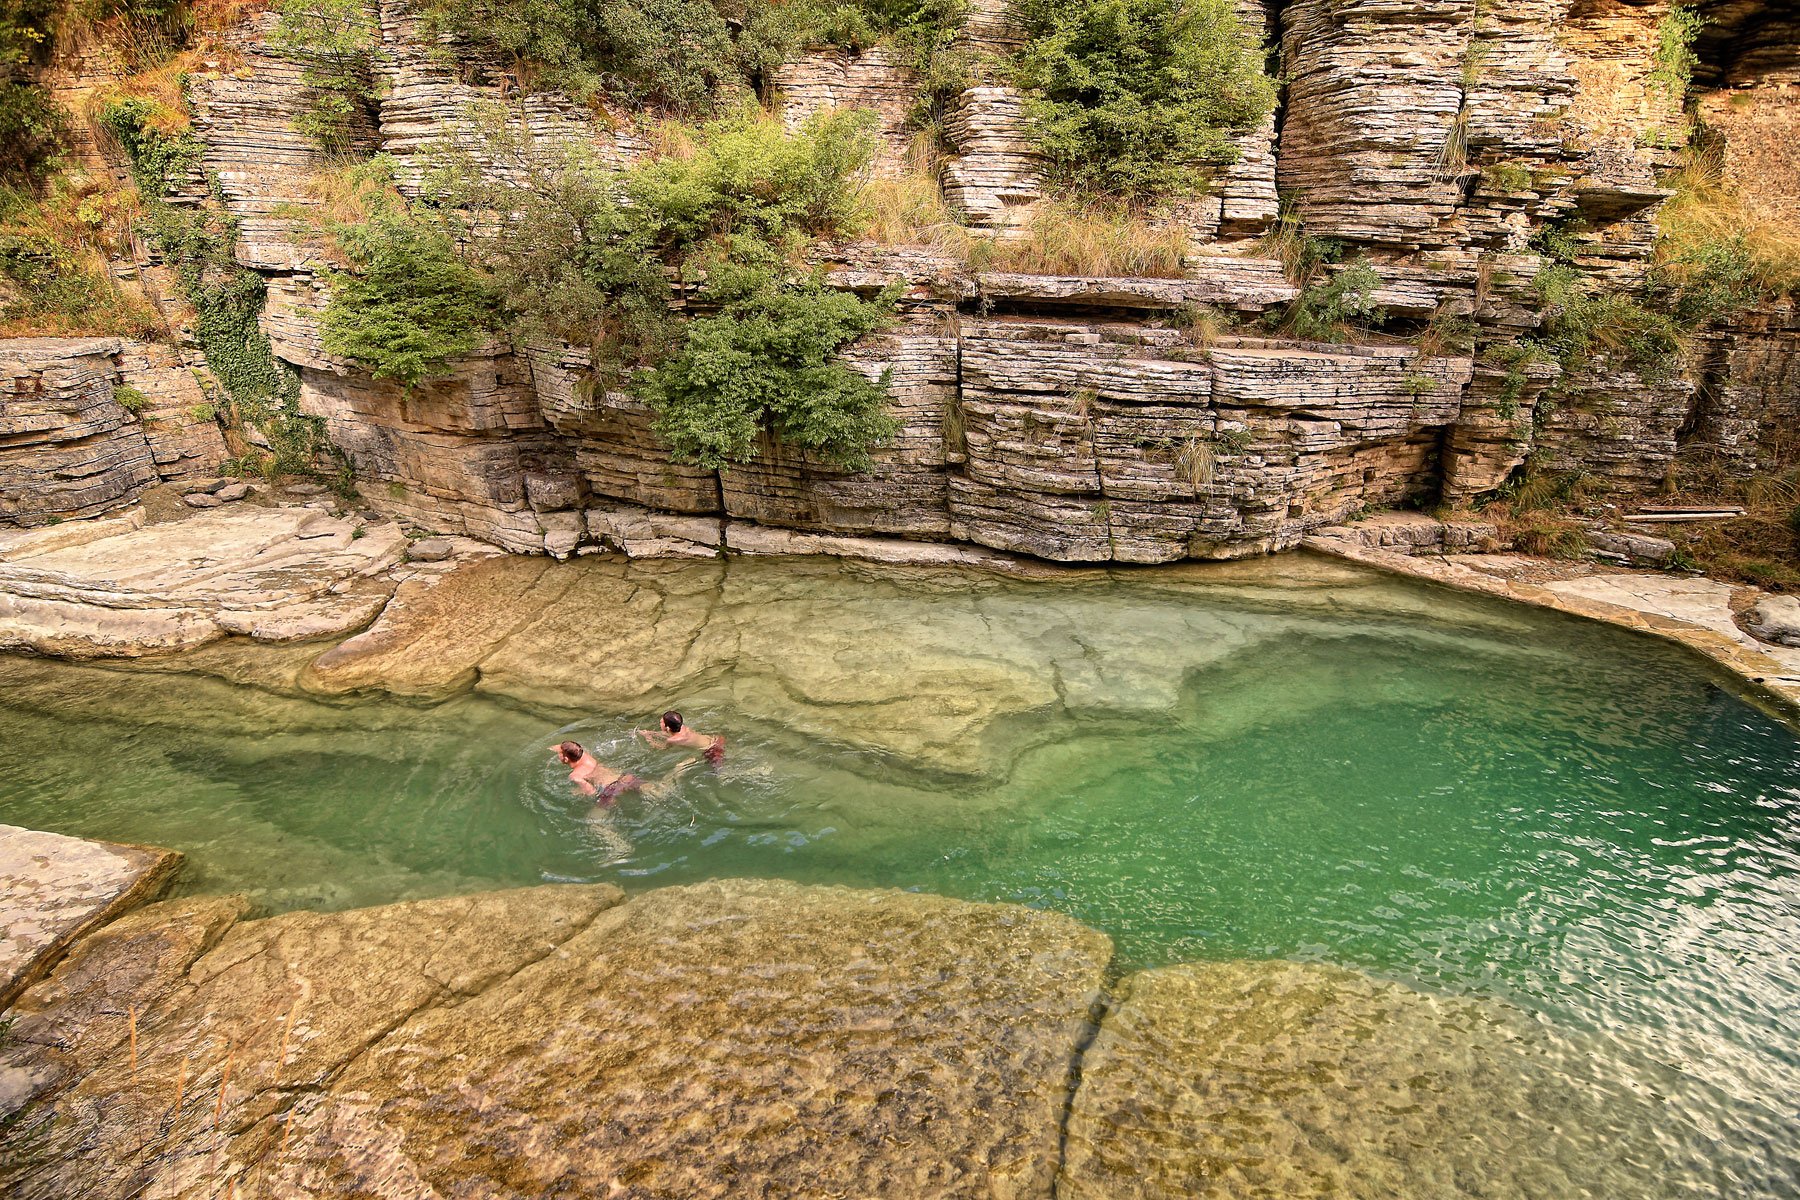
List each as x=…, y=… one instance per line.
x=1582, y=843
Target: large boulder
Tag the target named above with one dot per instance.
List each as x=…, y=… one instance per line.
x=733, y=1038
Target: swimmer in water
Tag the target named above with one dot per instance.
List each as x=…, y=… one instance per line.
x=673, y=733
x=592, y=777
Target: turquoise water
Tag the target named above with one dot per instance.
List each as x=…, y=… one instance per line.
x=1434, y=789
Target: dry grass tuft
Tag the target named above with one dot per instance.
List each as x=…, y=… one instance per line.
x=57, y=278
x=1706, y=211
x=1066, y=238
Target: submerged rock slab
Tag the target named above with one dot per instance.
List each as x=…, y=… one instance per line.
x=732, y=1038
x=121, y=588
x=1265, y=1079
x=53, y=887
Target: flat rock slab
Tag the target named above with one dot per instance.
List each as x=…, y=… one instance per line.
x=53, y=887
x=1276, y=1079
x=125, y=589
x=738, y=1038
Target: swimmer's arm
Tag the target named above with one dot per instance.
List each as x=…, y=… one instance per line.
x=582, y=785
x=655, y=739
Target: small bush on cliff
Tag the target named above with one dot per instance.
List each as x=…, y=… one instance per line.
x=1328, y=308
x=765, y=362
x=1139, y=98
x=680, y=56
x=410, y=305
x=30, y=127
x=334, y=41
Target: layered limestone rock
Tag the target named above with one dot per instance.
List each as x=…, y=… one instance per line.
x=819, y=80
x=1126, y=443
x=68, y=448
x=120, y=587
x=723, y=1039
x=1438, y=139
x=57, y=887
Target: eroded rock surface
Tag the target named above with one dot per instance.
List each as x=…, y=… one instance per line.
x=54, y=887
x=1265, y=1079
x=121, y=587
x=620, y=636
x=732, y=1038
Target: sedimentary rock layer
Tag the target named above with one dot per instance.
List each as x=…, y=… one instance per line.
x=732, y=1038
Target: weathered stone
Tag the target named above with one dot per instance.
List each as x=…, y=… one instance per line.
x=703, y=1041
x=121, y=589
x=232, y=491
x=1776, y=619
x=273, y=1011
x=430, y=550
x=52, y=888
x=1643, y=549
x=202, y=500
x=1290, y=1079
x=67, y=448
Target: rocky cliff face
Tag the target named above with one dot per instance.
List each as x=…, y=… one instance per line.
x=1077, y=419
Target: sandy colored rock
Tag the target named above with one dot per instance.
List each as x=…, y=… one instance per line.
x=271, y=573
x=1271, y=1079
x=275, y=1009
x=733, y=1038
x=437, y=628
x=1776, y=619
x=52, y=888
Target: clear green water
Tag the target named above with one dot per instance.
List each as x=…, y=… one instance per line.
x=1433, y=789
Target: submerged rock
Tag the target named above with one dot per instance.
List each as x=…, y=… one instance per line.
x=733, y=1038
x=1254, y=1079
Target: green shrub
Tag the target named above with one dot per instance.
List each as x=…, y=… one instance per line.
x=410, y=305
x=753, y=186
x=130, y=399
x=160, y=162
x=1139, y=98
x=1324, y=310
x=765, y=361
x=30, y=129
x=1673, y=61
x=334, y=40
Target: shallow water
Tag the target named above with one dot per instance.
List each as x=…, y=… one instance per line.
x=1271, y=762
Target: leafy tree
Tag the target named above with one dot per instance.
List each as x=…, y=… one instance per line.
x=1139, y=98
x=411, y=305
x=766, y=361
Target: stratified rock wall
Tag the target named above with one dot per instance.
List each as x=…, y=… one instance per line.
x=1075, y=418
x=69, y=448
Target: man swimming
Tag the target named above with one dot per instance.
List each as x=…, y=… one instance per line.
x=673, y=733
x=592, y=777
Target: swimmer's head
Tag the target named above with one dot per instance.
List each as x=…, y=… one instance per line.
x=671, y=722
x=569, y=752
